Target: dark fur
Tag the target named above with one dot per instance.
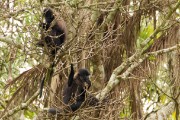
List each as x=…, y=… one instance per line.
x=53, y=36
x=54, y=32
x=76, y=88
x=50, y=72
x=75, y=91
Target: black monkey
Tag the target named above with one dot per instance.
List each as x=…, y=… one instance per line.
x=75, y=91
x=53, y=36
x=76, y=88
x=54, y=32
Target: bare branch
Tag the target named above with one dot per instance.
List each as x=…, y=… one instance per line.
x=161, y=27
x=163, y=113
x=20, y=107
x=115, y=79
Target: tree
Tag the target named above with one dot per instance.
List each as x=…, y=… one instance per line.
x=131, y=47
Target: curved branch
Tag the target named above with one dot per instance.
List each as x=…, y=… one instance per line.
x=21, y=106
x=115, y=79
x=163, y=113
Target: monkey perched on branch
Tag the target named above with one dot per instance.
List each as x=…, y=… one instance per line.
x=54, y=34
x=75, y=91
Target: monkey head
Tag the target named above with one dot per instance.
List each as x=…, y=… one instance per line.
x=82, y=78
x=49, y=15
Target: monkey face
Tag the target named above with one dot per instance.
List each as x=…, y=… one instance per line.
x=86, y=82
x=83, y=78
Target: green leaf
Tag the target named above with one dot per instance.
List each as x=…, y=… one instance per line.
x=29, y=114
x=152, y=58
x=174, y=115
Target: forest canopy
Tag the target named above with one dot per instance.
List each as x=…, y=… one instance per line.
x=131, y=48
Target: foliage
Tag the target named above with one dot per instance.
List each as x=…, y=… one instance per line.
x=130, y=47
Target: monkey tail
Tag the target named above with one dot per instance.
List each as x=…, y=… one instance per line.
x=48, y=77
x=71, y=76
x=41, y=87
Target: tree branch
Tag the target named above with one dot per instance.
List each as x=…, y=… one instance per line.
x=137, y=55
x=161, y=27
x=20, y=107
x=163, y=113
x=115, y=79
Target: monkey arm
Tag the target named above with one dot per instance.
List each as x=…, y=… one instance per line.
x=73, y=107
x=76, y=105
x=81, y=94
x=68, y=109
x=67, y=93
x=71, y=76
